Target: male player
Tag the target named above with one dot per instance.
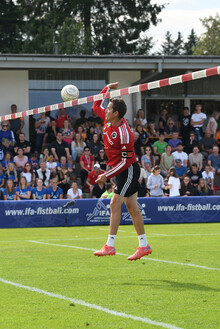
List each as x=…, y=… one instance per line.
x=119, y=148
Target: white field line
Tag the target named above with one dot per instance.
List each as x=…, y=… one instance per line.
x=120, y=254
x=150, y=235
x=92, y=306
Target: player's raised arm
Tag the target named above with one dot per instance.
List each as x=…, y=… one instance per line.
x=97, y=106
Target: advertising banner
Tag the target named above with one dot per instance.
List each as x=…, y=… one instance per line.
x=46, y=213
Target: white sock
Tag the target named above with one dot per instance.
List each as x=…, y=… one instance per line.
x=142, y=240
x=111, y=240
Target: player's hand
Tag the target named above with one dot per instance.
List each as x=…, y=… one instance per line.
x=101, y=179
x=113, y=85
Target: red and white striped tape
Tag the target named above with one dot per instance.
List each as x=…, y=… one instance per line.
x=119, y=92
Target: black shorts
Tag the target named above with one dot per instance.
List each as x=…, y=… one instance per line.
x=127, y=181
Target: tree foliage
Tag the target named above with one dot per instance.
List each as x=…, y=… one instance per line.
x=190, y=44
x=86, y=26
x=209, y=41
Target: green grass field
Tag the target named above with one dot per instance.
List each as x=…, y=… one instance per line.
x=61, y=285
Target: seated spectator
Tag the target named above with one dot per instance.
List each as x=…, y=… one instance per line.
x=173, y=183
x=170, y=128
x=61, y=117
x=74, y=192
x=142, y=134
x=63, y=179
x=93, y=119
x=87, y=164
x=89, y=134
x=108, y=194
x=81, y=131
x=51, y=164
x=50, y=134
x=148, y=157
x=20, y=160
x=34, y=161
x=28, y=173
x=92, y=176
x=77, y=148
x=152, y=132
x=159, y=146
x=184, y=125
x=6, y=137
x=23, y=191
x=187, y=188
x=191, y=143
x=140, y=118
x=67, y=132
x=44, y=174
x=206, y=144
x=218, y=138
x=208, y=176
x=202, y=188
x=174, y=141
x=98, y=190
x=197, y=121
x=6, y=161
x=41, y=125
x=196, y=157
x=166, y=191
x=138, y=148
x=9, y=191
x=148, y=169
x=214, y=160
x=2, y=181
x=63, y=163
x=167, y=161
x=24, y=144
x=162, y=121
x=45, y=154
x=213, y=123
x=2, y=152
x=11, y=173
x=194, y=174
x=39, y=192
x=102, y=159
x=60, y=148
x=54, y=191
x=181, y=170
x=180, y=154
x=155, y=183
x=95, y=145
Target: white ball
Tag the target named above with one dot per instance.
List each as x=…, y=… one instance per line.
x=69, y=93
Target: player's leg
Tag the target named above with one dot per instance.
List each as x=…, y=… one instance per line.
x=144, y=248
x=115, y=218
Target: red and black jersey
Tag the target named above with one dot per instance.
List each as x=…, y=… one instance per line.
x=118, y=142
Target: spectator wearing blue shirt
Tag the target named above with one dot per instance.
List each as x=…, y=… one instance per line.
x=34, y=161
x=180, y=169
x=39, y=192
x=23, y=191
x=2, y=181
x=214, y=160
x=9, y=191
x=6, y=160
x=170, y=128
x=6, y=136
x=11, y=173
x=174, y=141
x=54, y=191
x=63, y=163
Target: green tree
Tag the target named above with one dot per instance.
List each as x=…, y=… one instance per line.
x=178, y=45
x=10, y=27
x=167, y=45
x=96, y=26
x=209, y=42
x=190, y=45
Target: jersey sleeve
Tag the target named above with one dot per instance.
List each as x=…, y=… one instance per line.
x=97, y=108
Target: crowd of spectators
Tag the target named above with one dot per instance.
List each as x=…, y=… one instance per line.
x=176, y=157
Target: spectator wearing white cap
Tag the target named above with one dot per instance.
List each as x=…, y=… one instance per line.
x=92, y=176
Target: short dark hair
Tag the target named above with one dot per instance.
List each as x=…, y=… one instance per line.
x=194, y=165
x=119, y=105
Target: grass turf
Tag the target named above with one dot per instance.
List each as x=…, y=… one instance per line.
x=174, y=294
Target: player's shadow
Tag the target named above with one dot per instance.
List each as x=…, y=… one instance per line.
x=171, y=285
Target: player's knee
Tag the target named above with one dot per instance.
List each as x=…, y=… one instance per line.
x=133, y=211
